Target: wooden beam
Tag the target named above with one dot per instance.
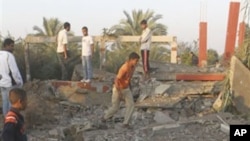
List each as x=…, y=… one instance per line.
x=200, y=76
x=42, y=39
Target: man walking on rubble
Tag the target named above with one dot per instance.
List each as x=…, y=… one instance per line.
x=121, y=91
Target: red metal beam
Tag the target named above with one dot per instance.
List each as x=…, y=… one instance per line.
x=200, y=77
x=231, y=30
x=242, y=34
x=203, y=43
x=101, y=87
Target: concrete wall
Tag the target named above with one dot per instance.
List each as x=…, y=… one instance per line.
x=240, y=84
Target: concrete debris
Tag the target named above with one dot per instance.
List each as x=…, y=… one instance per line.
x=162, y=89
x=165, y=110
x=165, y=126
x=239, y=80
x=161, y=117
x=225, y=128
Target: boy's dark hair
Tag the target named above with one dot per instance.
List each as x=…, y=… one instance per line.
x=16, y=94
x=85, y=28
x=144, y=21
x=7, y=42
x=133, y=55
x=66, y=24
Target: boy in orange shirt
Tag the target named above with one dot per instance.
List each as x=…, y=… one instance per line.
x=121, y=90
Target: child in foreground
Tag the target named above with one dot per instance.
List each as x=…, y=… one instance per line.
x=13, y=129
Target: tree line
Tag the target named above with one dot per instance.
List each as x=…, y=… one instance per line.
x=43, y=60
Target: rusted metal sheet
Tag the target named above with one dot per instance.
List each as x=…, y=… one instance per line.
x=200, y=76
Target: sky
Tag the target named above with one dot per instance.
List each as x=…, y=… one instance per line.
x=182, y=17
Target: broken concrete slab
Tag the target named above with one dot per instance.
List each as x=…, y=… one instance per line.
x=225, y=128
x=196, y=87
x=53, y=133
x=239, y=81
x=161, y=89
x=160, y=101
x=166, y=126
x=161, y=117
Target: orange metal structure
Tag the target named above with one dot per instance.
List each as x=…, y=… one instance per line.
x=200, y=76
x=203, y=43
x=231, y=30
x=241, y=33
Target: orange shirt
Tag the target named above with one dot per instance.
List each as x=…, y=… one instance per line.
x=124, y=75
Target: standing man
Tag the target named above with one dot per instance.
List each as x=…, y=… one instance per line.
x=194, y=59
x=9, y=73
x=121, y=91
x=62, y=50
x=145, y=41
x=87, y=52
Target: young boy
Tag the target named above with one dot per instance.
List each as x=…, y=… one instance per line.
x=13, y=129
x=121, y=90
x=87, y=52
x=145, y=41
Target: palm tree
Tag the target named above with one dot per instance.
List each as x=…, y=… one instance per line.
x=51, y=27
x=131, y=26
x=44, y=62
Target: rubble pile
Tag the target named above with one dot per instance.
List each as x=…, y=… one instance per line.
x=60, y=116
x=165, y=110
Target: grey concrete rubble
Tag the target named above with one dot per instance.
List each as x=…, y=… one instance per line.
x=164, y=110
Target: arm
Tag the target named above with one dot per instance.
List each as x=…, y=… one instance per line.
x=14, y=70
x=147, y=36
x=92, y=45
x=92, y=49
x=9, y=132
x=65, y=42
x=118, y=78
x=65, y=51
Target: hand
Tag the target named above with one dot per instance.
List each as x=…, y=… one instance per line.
x=65, y=57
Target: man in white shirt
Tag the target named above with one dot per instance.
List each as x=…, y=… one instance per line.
x=9, y=72
x=62, y=50
x=87, y=52
x=145, y=41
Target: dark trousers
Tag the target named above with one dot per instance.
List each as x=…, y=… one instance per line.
x=63, y=64
x=145, y=63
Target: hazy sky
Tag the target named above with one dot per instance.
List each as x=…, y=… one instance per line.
x=180, y=16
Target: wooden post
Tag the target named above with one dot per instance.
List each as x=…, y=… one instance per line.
x=231, y=30
x=102, y=52
x=174, y=51
x=27, y=64
x=203, y=44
